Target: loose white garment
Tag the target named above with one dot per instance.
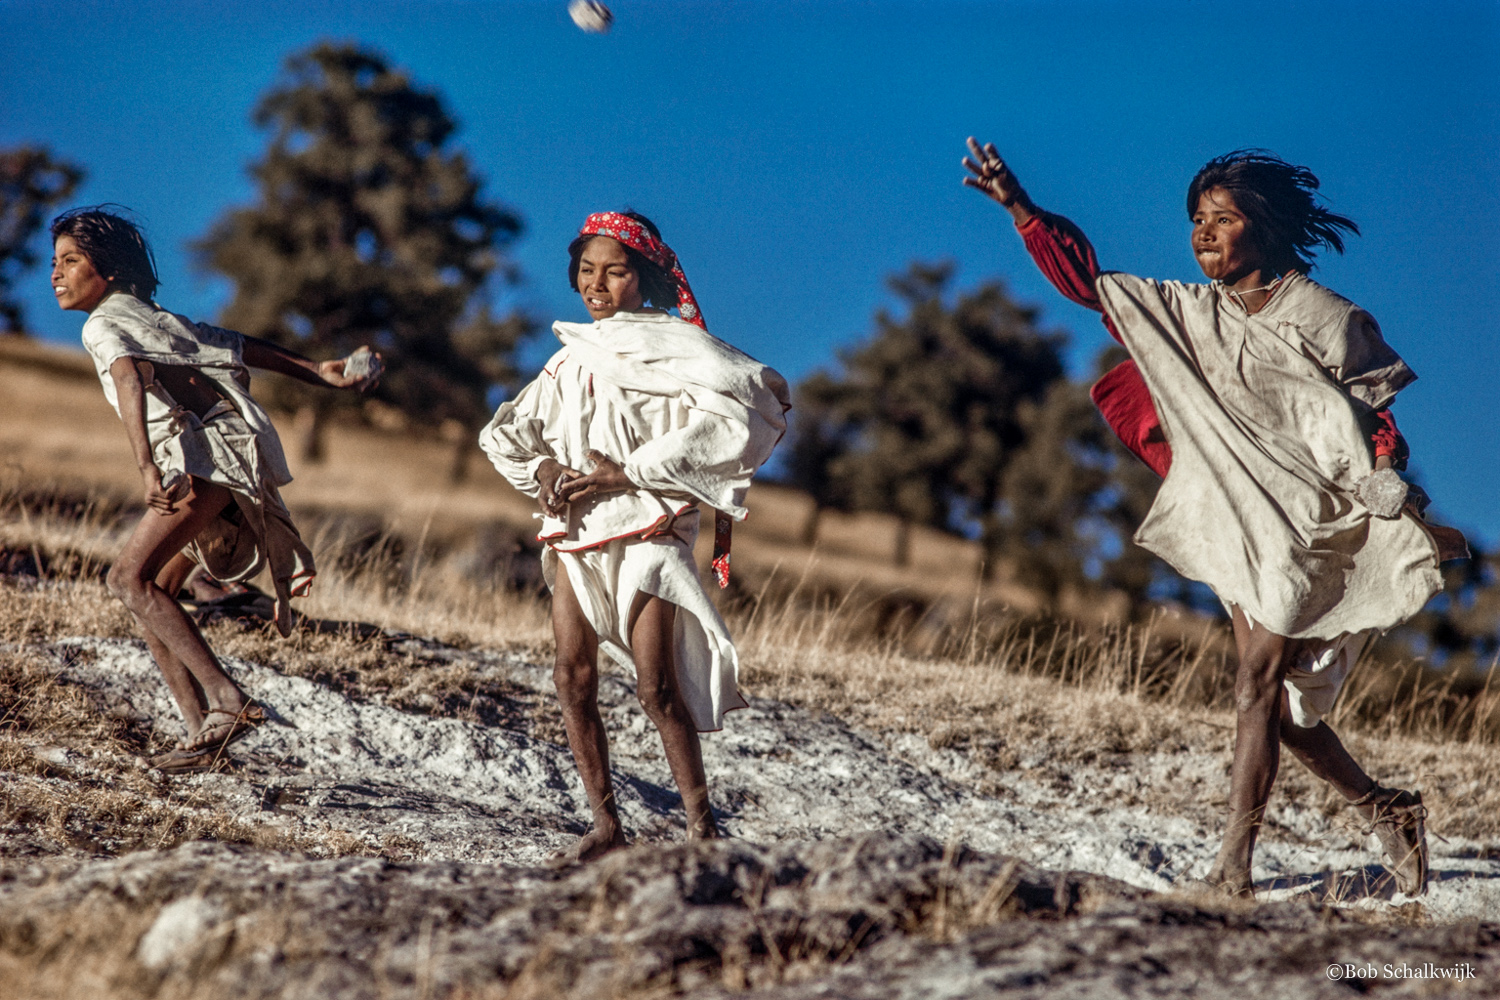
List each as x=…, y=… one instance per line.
x=1262, y=413
x=690, y=419
x=1315, y=677
x=606, y=579
x=233, y=445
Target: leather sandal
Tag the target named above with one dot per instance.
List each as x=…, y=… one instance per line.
x=222, y=727
x=1400, y=826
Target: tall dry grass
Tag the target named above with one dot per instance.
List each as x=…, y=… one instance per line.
x=814, y=646
x=1005, y=689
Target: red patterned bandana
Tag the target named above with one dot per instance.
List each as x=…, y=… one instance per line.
x=636, y=236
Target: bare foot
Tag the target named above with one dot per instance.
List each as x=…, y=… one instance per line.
x=595, y=844
x=1237, y=884
x=706, y=828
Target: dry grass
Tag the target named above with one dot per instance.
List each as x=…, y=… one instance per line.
x=75, y=782
x=969, y=675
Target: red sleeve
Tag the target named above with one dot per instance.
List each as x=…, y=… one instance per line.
x=1388, y=440
x=1125, y=403
x=1066, y=258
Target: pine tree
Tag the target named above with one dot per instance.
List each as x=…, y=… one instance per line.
x=961, y=417
x=32, y=184
x=926, y=413
x=370, y=228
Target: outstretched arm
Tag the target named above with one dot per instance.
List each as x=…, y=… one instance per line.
x=1058, y=247
x=994, y=178
x=271, y=357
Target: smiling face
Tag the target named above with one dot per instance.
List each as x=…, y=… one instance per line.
x=606, y=280
x=1222, y=242
x=74, y=281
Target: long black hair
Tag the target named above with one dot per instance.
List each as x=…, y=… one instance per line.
x=114, y=245
x=1280, y=201
x=658, y=287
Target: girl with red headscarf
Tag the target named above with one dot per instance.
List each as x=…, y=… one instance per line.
x=638, y=419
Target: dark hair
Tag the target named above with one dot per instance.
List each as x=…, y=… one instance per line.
x=658, y=287
x=114, y=245
x=1279, y=200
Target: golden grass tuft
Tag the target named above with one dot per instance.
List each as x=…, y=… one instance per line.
x=1004, y=690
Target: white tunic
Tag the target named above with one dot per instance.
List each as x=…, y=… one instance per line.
x=233, y=445
x=690, y=419
x=1262, y=413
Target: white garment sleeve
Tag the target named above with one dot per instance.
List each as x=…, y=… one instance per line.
x=1358, y=358
x=712, y=458
x=517, y=438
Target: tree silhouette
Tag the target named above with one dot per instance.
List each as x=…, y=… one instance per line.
x=927, y=411
x=32, y=184
x=961, y=417
x=369, y=228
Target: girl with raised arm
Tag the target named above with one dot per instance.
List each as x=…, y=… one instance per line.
x=639, y=418
x=1262, y=399
x=210, y=464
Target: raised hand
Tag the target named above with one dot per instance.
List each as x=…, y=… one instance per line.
x=994, y=178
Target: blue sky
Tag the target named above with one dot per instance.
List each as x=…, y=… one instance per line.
x=795, y=154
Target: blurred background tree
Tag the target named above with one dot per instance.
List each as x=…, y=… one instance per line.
x=961, y=417
x=369, y=228
x=32, y=185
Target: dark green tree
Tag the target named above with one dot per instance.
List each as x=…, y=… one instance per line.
x=961, y=417
x=32, y=184
x=925, y=414
x=820, y=436
x=370, y=228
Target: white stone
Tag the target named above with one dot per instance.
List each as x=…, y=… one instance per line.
x=591, y=15
x=178, y=926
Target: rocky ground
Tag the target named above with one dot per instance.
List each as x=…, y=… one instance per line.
x=860, y=865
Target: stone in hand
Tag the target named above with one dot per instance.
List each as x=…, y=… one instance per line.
x=1383, y=492
x=363, y=365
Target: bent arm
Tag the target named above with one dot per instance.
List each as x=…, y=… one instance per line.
x=711, y=459
x=130, y=391
x=130, y=394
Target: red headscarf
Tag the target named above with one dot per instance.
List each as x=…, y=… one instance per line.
x=636, y=236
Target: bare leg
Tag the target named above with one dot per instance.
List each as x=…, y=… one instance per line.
x=1257, y=748
x=179, y=679
x=1323, y=753
x=651, y=641
x=1396, y=816
x=576, y=674
x=192, y=672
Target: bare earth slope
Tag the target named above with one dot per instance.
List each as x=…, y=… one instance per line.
x=862, y=866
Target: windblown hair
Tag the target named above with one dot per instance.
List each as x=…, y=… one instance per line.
x=1280, y=201
x=658, y=288
x=114, y=245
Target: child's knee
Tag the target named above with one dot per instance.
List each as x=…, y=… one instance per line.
x=658, y=700
x=574, y=678
x=125, y=583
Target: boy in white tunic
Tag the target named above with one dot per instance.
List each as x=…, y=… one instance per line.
x=1265, y=388
x=210, y=462
x=635, y=422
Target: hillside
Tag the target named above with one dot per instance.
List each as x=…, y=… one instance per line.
x=1012, y=809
